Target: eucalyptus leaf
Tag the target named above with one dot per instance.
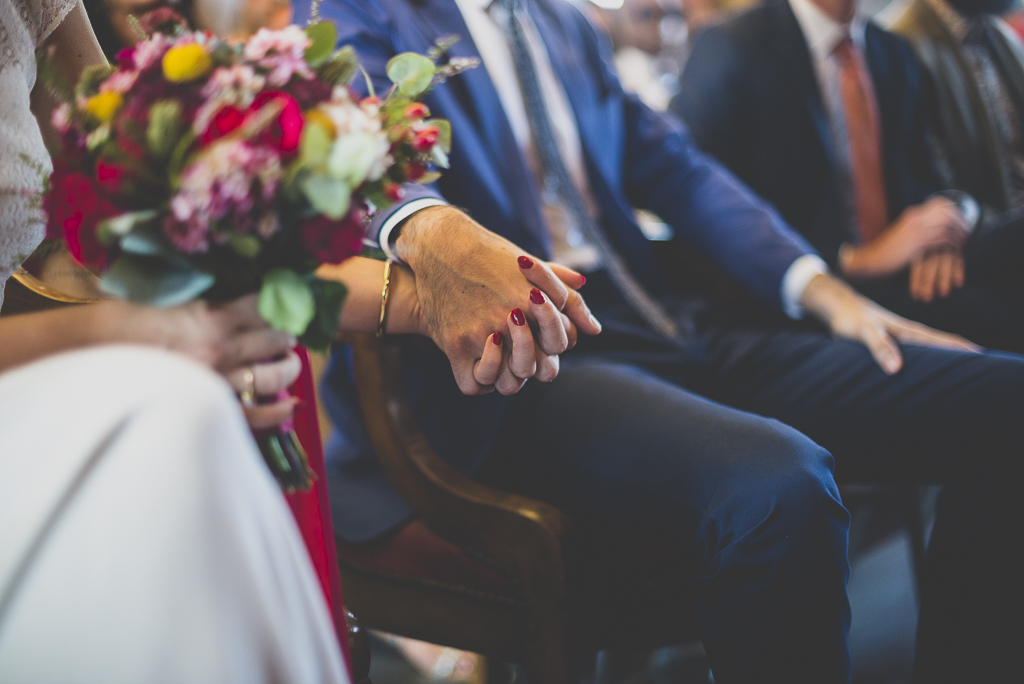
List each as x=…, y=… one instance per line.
x=324, y=36
x=330, y=296
x=113, y=229
x=329, y=196
x=444, y=129
x=154, y=281
x=412, y=73
x=286, y=301
x=148, y=240
x=438, y=156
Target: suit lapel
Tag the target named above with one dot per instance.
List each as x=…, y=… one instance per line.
x=502, y=166
x=795, y=57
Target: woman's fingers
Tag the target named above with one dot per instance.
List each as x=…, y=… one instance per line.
x=243, y=313
x=547, y=367
x=267, y=378
x=551, y=279
x=265, y=416
x=552, y=338
x=254, y=346
x=568, y=276
x=522, y=361
x=489, y=365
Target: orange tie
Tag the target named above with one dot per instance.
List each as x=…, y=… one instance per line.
x=864, y=133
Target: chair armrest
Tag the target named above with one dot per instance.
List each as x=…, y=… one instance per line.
x=24, y=293
x=522, y=536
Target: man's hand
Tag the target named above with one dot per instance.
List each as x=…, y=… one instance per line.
x=936, y=273
x=934, y=223
x=469, y=281
x=853, y=317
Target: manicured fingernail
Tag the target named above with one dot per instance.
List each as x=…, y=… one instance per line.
x=584, y=279
x=536, y=296
x=517, y=317
x=525, y=262
x=496, y=339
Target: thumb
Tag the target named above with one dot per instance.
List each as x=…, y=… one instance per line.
x=884, y=349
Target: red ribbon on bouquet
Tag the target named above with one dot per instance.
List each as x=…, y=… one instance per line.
x=312, y=508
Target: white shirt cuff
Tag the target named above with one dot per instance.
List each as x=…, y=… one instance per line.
x=400, y=215
x=799, y=274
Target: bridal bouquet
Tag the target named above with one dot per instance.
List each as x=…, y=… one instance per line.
x=197, y=167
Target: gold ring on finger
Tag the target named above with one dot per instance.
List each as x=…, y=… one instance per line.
x=248, y=393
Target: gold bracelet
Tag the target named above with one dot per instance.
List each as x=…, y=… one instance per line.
x=384, y=299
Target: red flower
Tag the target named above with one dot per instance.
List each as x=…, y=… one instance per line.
x=416, y=111
x=285, y=132
x=125, y=58
x=224, y=121
x=76, y=206
x=415, y=170
x=331, y=242
x=424, y=140
x=110, y=176
x=394, y=191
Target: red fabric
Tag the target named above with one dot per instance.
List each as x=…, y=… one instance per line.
x=312, y=509
x=865, y=135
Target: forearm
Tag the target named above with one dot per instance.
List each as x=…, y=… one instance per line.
x=27, y=337
x=364, y=279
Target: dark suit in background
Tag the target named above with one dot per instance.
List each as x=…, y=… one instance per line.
x=691, y=464
x=750, y=96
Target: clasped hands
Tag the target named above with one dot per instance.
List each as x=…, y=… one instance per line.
x=927, y=238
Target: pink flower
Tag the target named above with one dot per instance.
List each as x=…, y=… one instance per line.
x=331, y=242
x=60, y=119
x=151, y=51
x=224, y=121
x=282, y=53
x=119, y=82
x=286, y=131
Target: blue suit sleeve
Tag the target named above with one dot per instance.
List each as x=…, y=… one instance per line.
x=709, y=208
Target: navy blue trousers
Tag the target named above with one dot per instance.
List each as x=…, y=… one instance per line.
x=723, y=455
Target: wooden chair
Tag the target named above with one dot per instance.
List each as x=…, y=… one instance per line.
x=480, y=569
x=24, y=293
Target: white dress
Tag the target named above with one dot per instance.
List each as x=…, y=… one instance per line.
x=142, y=539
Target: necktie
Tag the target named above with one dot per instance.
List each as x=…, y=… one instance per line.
x=864, y=134
x=558, y=180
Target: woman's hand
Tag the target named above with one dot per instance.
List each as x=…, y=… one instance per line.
x=235, y=341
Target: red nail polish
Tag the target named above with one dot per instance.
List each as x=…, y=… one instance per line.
x=584, y=279
x=517, y=317
x=496, y=339
x=525, y=262
x=536, y=296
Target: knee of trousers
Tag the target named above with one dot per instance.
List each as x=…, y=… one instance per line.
x=776, y=500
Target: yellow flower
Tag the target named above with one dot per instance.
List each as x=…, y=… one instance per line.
x=186, y=63
x=104, y=105
x=317, y=116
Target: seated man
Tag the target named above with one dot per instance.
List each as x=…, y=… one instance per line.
x=976, y=64
x=708, y=445
x=824, y=114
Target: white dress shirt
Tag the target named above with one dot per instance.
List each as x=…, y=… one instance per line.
x=485, y=21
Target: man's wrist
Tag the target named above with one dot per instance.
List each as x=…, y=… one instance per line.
x=417, y=228
x=392, y=228
x=795, y=282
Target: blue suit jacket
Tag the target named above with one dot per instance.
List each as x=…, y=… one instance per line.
x=751, y=98
x=634, y=158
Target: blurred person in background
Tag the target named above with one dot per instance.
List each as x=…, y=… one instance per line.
x=976, y=64
x=826, y=115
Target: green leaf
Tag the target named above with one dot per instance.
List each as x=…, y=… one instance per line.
x=440, y=159
x=444, y=128
x=286, y=301
x=116, y=228
x=154, y=281
x=412, y=73
x=314, y=146
x=164, y=127
x=92, y=76
x=248, y=246
x=324, y=36
x=340, y=68
x=329, y=296
x=329, y=196
x=180, y=156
